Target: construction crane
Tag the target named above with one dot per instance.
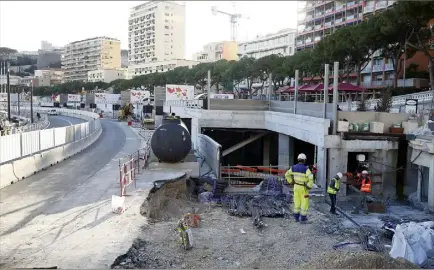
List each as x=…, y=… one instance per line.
x=233, y=20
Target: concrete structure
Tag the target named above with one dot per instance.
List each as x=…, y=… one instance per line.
x=156, y=32
x=162, y=66
x=124, y=58
x=105, y=75
x=46, y=46
x=282, y=42
x=216, y=51
x=54, y=75
x=317, y=19
x=422, y=156
x=90, y=54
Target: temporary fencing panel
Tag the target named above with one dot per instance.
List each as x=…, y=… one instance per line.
x=30, y=142
x=26, y=143
x=47, y=139
x=60, y=136
x=10, y=147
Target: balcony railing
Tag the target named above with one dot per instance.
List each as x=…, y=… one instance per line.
x=339, y=7
x=350, y=17
x=352, y=3
x=299, y=43
x=376, y=68
x=380, y=5
x=317, y=38
x=337, y=21
x=368, y=9
x=319, y=14
x=328, y=11
x=309, y=28
x=309, y=40
x=328, y=24
x=388, y=67
x=318, y=26
x=367, y=69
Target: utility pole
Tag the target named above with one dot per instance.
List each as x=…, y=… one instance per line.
x=8, y=89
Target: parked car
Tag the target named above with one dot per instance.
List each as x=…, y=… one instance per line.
x=52, y=112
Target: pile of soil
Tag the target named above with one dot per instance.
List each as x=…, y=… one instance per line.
x=358, y=260
x=172, y=200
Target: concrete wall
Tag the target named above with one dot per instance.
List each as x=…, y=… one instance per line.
x=211, y=151
x=304, y=108
x=239, y=105
x=388, y=119
x=426, y=159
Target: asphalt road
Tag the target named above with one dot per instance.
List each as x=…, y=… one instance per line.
x=26, y=205
x=63, y=121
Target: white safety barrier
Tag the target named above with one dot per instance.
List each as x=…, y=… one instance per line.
x=22, y=155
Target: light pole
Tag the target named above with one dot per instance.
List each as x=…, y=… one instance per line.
x=31, y=102
x=8, y=89
x=405, y=60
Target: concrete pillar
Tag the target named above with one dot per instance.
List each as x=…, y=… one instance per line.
x=292, y=159
x=284, y=152
x=419, y=183
x=337, y=162
x=266, y=153
x=321, y=163
x=431, y=185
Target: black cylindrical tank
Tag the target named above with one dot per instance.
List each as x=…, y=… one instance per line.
x=171, y=141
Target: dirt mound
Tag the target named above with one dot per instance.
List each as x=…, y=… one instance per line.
x=358, y=260
x=171, y=200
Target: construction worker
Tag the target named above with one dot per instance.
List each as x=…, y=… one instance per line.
x=365, y=189
x=332, y=190
x=302, y=178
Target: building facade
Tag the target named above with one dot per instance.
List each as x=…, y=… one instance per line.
x=161, y=66
x=317, y=19
x=106, y=75
x=156, y=32
x=55, y=76
x=124, y=58
x=47, y=59
x=82, y=56
x=282, y=42
x=217, y=51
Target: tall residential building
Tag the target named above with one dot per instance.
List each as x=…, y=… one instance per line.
x=46, y=46
x=156, y=32
x=282, y=42
x=158, y=66
x=216, y=51
x=82, y=56
x=317, y=19
x=124, y=58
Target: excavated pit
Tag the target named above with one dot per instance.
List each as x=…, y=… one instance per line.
x=171, y=199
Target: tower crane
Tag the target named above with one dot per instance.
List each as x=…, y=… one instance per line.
x=233, y=18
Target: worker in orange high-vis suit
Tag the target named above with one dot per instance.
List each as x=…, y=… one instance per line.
x=302, y=178
x=365, y=188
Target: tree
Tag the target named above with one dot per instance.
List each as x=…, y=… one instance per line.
x=218, y=73
x=384, y=103
x=394, y=33
x=417, y=14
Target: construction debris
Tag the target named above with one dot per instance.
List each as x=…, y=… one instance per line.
x=357, y=260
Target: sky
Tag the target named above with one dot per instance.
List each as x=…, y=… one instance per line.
x=24, y=24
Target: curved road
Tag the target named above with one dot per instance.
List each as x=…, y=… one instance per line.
x=63, y=121
x=31, y=209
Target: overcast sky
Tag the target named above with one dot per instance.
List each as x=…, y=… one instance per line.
x=23, y=25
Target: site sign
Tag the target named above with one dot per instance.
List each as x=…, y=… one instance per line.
x=103, y=98
x=74, y=98
x=179, y=92
x=222, y=96
x=137, y=96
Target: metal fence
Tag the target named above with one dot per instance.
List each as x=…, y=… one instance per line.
x=19, y=145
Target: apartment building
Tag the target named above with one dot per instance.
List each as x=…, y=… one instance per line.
x=124, y=58
x=106, y=75
x=317, y=19
x=156, y=32
x=82, y=56
x=160, y=66
x=282, y=42
x=55, y=76
x=215, y=51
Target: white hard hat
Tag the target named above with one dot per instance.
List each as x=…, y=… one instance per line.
x=365, y=172
x=339, y=174
x=301, y=156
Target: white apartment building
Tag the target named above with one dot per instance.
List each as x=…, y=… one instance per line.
x=215, y=51
x=156, y=32
x=106, y=75
x=282, y=42
x=161, y=66
x=82, y=56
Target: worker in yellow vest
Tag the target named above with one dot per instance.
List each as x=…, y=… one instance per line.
x=332, y=190
x=302, y=178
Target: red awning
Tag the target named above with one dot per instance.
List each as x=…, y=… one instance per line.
x=347, y=87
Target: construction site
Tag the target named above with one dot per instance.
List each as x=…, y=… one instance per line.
x=243, y=218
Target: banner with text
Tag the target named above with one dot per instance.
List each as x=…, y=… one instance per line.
x=103, y=98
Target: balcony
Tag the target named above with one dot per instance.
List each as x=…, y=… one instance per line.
x=318, y=14
x=309, y=40
x=328, y=24
x=377, y=68
x=341, y=7
x=350, y=4
x=318, y=26
x=308, y=17
x=317, y=38
x=338, y=21
x=299, y=43
x=350, y=17
x=328, y=11
x=368, y=9
x=388, y=67
x=307, y=29
x=367, y=69
x=380, y=5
